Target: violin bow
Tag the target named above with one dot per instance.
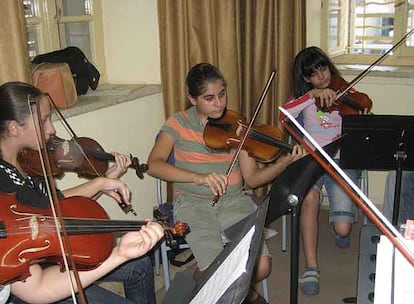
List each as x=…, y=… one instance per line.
x=54, y=203
x=247, y=130
x=361, y=75
x=72, y=133
x=349, y=187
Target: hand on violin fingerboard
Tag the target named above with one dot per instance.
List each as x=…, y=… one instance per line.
x=137, y=243
x=122, y=162
x=365, y=112
x=327, y=97
x=216, y=182
x=298, y=152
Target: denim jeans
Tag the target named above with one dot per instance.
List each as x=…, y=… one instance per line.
x=137, y=277
x=341, y=206
x=406, y=206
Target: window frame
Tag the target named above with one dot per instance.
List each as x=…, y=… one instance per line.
x=48, y=33
x=402, y=56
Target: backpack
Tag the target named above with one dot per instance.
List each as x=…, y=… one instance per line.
x=84, y=73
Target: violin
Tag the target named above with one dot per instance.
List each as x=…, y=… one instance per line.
x=348, y=103
x=264, y=143
x=83, y=156
x=29, y=235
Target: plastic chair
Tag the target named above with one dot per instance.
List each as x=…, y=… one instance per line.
x=363, y=185
x=163, y=248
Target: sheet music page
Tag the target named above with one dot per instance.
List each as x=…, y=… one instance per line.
x=232, y=268
x=404, y=274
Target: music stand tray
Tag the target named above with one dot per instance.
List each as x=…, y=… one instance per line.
x=372, y=141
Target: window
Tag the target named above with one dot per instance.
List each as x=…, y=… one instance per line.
x=56, y=24
x=359, y=31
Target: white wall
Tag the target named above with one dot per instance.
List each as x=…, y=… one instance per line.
x=313, y=22
x=128, y=127
x=131, y=41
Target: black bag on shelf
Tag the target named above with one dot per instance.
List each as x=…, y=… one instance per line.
x=84, y=73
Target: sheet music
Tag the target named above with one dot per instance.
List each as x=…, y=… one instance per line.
x=403, y=278
x=232, y=268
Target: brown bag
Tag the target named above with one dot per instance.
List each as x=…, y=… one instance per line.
x=57, y=80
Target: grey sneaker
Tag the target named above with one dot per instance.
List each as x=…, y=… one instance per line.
x=309, y=281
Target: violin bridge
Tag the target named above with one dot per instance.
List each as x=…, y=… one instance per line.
x=34, y=227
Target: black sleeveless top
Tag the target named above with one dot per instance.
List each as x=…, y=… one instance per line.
x=29, y=190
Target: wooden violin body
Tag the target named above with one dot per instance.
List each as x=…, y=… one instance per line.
x=349, y=103
x=83, y=156
x=29, y=235
x=264, y=143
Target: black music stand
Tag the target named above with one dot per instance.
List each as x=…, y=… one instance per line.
x=185, y=290
x=379, y=142
x=287, y=194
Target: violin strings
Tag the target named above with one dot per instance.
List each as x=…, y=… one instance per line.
x=86, y=157
x=73, y=135
x=351, y=103
x=74, y=225
x=264, y=138
x=72, y=229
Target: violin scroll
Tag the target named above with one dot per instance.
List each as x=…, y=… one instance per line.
x=179, y=229
x=140, y=169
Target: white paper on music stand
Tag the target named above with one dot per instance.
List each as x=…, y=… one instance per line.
x=231, y=269
x=404, y=274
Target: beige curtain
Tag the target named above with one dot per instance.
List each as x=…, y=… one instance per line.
x=14, y=59
x=246, y=39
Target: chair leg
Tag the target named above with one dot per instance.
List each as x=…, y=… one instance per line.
x=165, y=265
x=157, y=261
x=364, y=188
x=284, y=233
x=366, y=191
x=265, y=289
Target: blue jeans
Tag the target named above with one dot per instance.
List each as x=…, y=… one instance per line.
x=138, y=279
x=341, y=206
x=406, y=206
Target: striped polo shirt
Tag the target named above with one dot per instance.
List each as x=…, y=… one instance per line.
x=191, y=153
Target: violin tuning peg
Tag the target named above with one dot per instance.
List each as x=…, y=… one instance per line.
x=140, y=169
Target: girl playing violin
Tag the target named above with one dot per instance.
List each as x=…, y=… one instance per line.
x=18, y=131
x=199, y=174
x=313, y=72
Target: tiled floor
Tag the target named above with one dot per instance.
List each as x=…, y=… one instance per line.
x=339, y=269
